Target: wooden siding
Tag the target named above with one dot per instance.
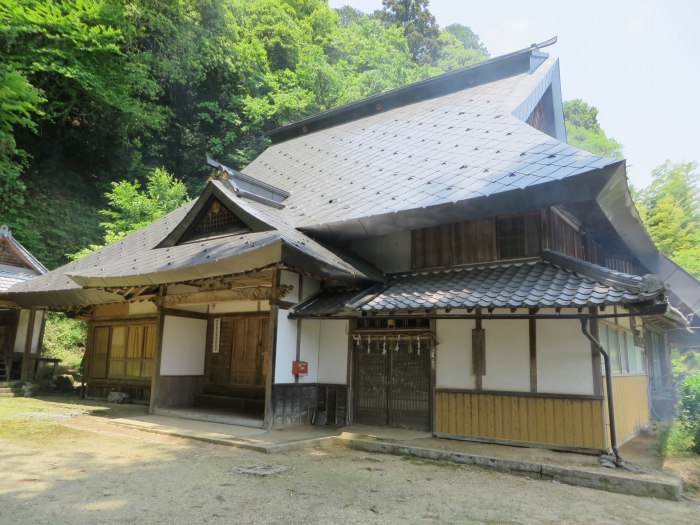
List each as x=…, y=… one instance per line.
x=295, y=404
x=563, y=237
x=178, y=391
x=565, y=421
x=631, y=404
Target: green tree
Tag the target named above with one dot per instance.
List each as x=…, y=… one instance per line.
x=468, y=38
x=131, y=208
x=670, y=210
x=584, y=131
x=419, y=25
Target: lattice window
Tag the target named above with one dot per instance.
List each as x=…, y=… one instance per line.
x=518, y=236
x=216, y=219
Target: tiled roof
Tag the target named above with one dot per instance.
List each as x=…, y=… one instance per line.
x=442, y=150
x=9, y=277
x=529, y=284
x=135, y=260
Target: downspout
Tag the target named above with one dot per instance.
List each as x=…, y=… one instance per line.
x=608, y=386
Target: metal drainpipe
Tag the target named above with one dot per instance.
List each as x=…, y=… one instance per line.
x=608, y=385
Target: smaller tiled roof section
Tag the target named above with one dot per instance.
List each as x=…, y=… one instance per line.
x=13, y=253
x=543, y=283
x=12, y=275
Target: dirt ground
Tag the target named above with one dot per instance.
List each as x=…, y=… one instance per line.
x=63, y=465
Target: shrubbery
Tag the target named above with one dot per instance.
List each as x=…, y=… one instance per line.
x=64, y=338
x=689, y=410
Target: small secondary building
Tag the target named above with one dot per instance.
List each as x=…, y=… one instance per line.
x=435, y=257
x=21, y=329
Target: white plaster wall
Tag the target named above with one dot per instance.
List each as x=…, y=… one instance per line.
x=507, y=356
x=38, y=320
x=309, y=349
x=390, y=253
x=184, y=344
x=564, y=359
x=333, y=355
x=290, y=279
x=310, y=287
x=142, y=307
x=21, y=336
x=286, y=349
x=453, y=362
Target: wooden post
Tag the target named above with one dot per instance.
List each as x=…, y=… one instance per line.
x=533, y=352
x=269, y=419
x=595, y=361
x=159, y=350
x=26, y=357
x=478, y=353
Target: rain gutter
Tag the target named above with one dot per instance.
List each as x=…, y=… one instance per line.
x=608, y=386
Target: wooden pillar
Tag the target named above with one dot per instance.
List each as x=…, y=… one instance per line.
x=269, y=419
x=595, y=356
x=159, y=350
x=533, y=352
x=478, y=353
x=27, y=357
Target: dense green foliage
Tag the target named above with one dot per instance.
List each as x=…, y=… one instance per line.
x=99, y=91
x=689, y=410
x=131, y=208
x=670, y=210
x=584, y=131
x=64, y=338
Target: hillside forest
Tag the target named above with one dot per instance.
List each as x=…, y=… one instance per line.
x=103, y=102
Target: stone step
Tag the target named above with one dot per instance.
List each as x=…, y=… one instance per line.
x=3, y=394
x=5, y=390
x=245, y=404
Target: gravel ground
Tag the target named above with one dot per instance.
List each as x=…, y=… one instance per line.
x=84, y=469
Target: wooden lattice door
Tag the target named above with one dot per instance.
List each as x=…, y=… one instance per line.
x=239, y=356
x=392, y=386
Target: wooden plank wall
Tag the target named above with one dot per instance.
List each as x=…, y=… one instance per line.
x=563, y=237
x=452, y=244
x=560, y=421
x=178, y=391
x=631, y=404
x=295, y=404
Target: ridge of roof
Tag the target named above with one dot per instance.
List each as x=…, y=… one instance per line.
x=22, y=252
x=490, y=70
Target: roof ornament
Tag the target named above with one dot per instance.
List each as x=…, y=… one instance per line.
x=5, y=231
x=546, y=43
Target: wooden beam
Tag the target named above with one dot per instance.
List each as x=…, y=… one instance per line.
x=533, y=354
x=251, y=293
x=159, y=353
x=269, y=419
x=26, y=357
x=595, y=357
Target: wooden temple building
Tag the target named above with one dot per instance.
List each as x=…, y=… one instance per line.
x=435, y=257
x=21, y=329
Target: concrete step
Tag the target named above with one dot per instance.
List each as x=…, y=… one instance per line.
x=4, y=394
x=5, y=390
x=248, y=405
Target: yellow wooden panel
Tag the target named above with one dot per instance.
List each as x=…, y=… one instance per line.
x=564, y=422
x=491, y=416
x=522, y=416
x=559, y=421
x=541, y=420
x=507, y=426
x=498, y=416
x=474, y=403
x=549, y=420
x=483, y=415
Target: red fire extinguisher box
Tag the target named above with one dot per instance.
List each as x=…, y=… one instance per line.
x=300, y=368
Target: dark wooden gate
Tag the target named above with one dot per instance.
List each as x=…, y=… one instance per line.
x=393, y=387
x=241, y=356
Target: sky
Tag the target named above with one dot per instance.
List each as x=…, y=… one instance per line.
x=638, y=62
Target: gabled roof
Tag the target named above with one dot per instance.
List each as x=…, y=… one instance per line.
x=553, y=281
x=150, y=256
x=439, y=159
x=16, y=263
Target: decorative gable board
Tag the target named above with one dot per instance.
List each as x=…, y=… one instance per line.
x=215, y=218
x=8, y=255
